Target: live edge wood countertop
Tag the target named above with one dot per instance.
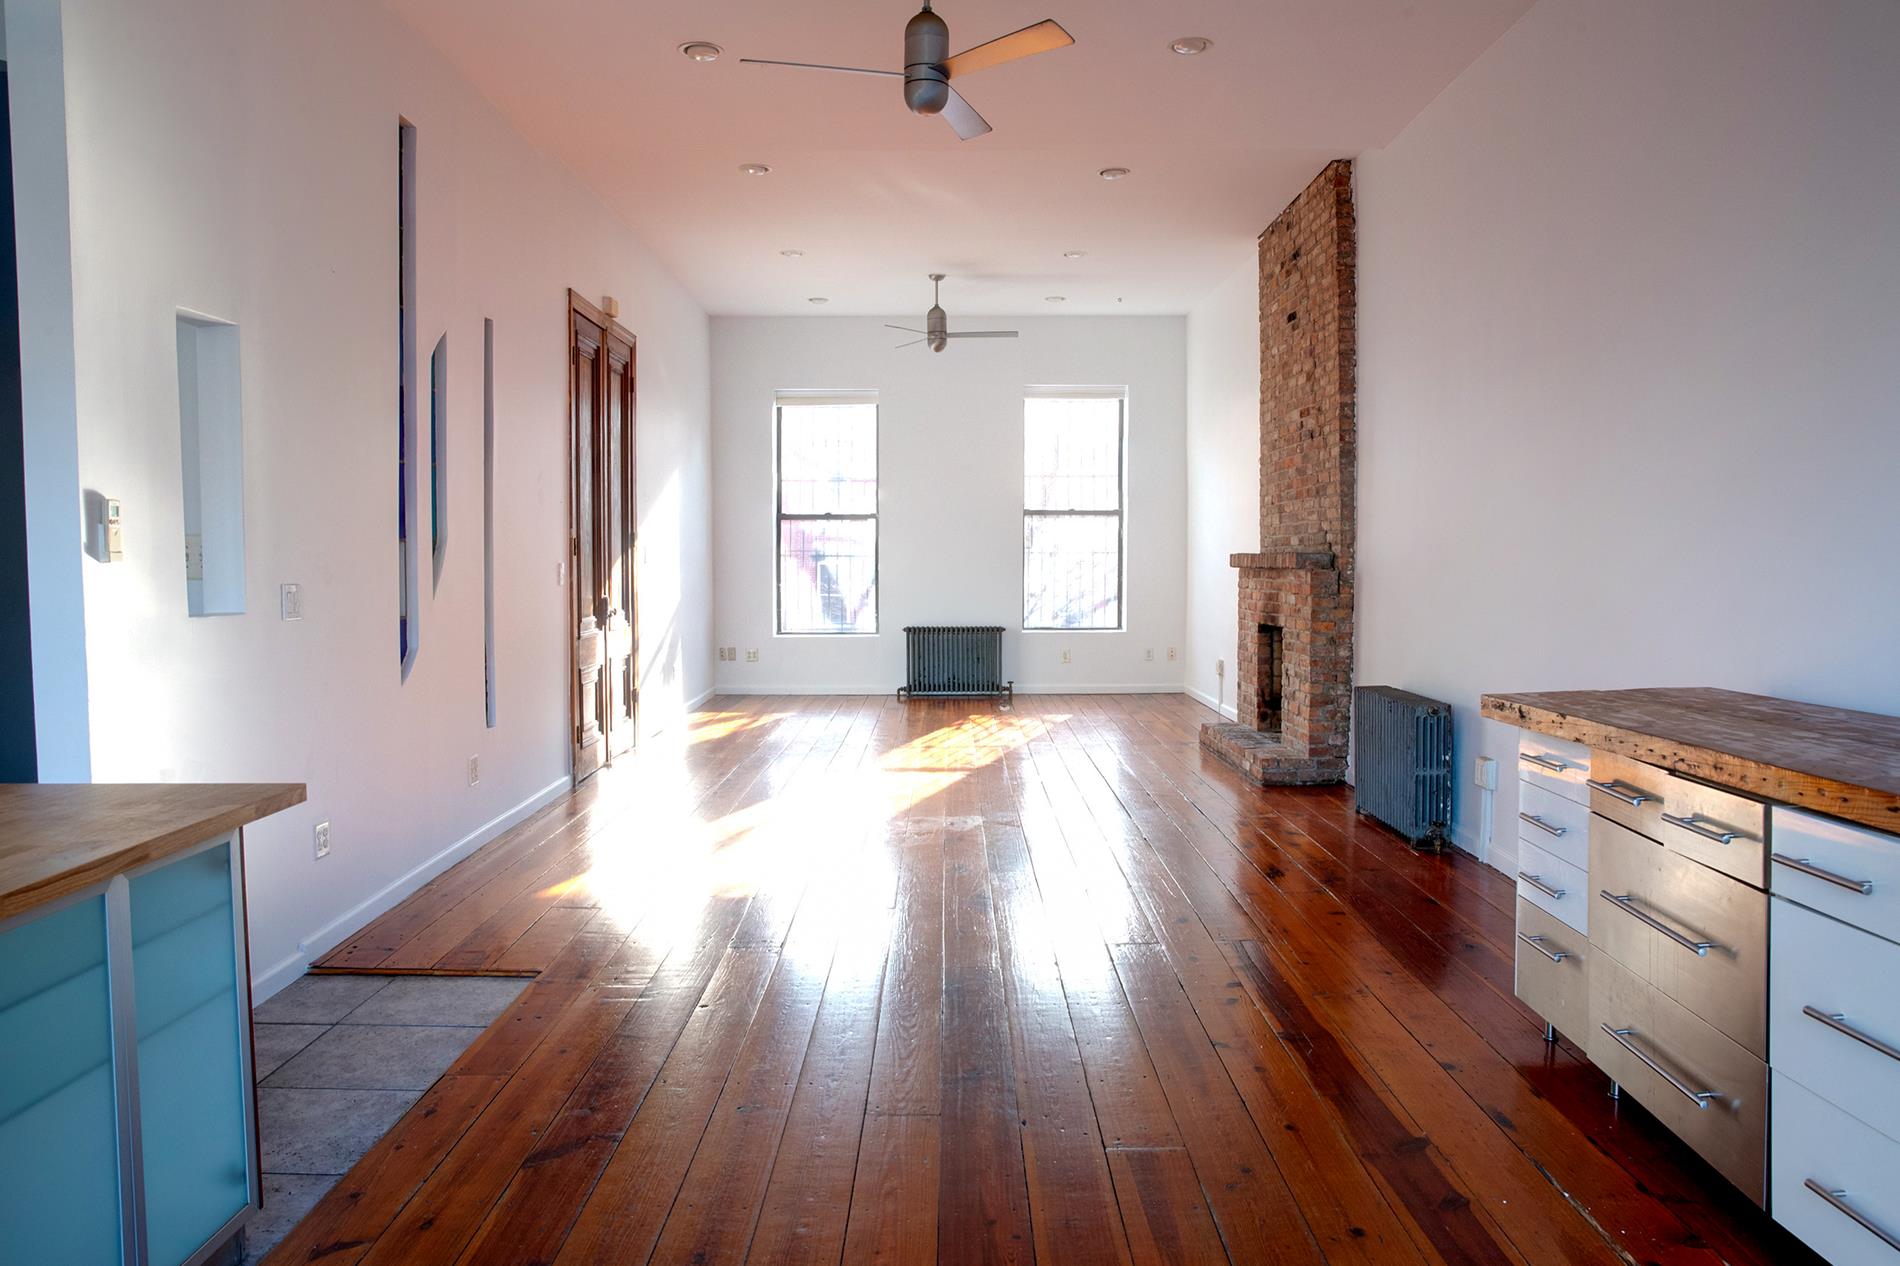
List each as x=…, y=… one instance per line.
x=1830, y=760
x=59, y=838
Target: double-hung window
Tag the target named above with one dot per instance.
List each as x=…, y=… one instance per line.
x=827, y=512
x=1072, y=508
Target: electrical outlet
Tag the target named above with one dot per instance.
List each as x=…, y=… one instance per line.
x=732, y=654
x=1065, y=654
x=290, y=601
x=322, y=834
x=1149, y=654
x=751, y=655
x=1170, y=654
x=474, y=770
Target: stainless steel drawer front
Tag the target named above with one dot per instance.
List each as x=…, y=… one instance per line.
x=1553, y=976
x=1722, y=829
x=1627, y=904
x=1697, y=934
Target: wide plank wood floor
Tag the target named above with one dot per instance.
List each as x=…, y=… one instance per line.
x=851, y=980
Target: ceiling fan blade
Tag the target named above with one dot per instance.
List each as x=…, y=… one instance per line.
x=901, y=346
x=1045, y=36
x=842, y=70
x=982, y=334
x=962, y=116
x=907, y=329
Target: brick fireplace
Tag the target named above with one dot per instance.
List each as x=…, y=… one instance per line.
x=1293, y=681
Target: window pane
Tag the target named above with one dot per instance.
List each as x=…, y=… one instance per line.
x=827, y=575
x=828, y=458
x=1072, y=454
x=1072, y=571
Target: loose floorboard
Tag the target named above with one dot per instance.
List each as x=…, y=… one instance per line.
x=843, y=979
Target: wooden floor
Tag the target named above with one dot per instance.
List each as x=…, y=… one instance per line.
x=847, y=979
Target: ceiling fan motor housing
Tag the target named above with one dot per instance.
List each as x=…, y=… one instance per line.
x=926, y=49
x=935, y=327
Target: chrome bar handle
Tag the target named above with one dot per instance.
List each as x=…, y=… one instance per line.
x=1699, y=1097
x=1839, y=1200
x=1619, y=790
x=1540, y=824
x=1694, y=823
x=1537, y=943
x=1838, y=1022
x=1864, y=887
x=1545, y=762
x=1537, y=882
x=1625, y=903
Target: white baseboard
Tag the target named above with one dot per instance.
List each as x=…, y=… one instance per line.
x=325, y=938
x=692, y=705
x=1033, y=688
x=1227, y=710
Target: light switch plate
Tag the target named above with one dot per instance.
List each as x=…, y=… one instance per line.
x=474, y=770
x=290, y=601
x=322, y=835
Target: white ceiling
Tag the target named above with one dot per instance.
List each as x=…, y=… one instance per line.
x=876, y=197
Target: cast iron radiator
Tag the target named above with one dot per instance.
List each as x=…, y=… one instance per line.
x=1402, y=762
x=955, y=659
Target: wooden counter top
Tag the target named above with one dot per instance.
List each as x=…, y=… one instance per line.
x=1830, y=760
x=58, y=838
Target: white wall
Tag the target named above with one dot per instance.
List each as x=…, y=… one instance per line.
x=950, y=493
x=1223, y=453
x=239, y=160
x=1627, y=371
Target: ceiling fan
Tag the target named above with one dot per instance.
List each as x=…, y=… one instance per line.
x=928, y=67
x=934, y=331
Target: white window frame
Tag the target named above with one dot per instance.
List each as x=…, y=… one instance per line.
x=842, y=397
x=1120, y=512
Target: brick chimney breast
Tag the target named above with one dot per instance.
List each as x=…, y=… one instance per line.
x=1293, y=680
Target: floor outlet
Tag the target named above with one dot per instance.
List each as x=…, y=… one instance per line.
x=323, y=840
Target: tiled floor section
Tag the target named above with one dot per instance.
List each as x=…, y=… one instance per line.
x=339, y=1060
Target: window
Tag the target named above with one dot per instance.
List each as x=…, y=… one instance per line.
x=827, y=513
x=211, y=448
x=439, y=455
x=406, y=562
x=1072, y=509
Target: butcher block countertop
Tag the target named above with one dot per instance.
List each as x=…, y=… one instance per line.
x=60, y=838
x=1830, y=760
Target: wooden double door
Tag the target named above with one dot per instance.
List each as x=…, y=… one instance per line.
x=601, y=373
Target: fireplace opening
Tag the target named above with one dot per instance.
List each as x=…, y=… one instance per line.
x=1269, y=672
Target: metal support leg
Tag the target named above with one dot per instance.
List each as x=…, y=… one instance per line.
x=1616, y=1091
x=1550, y=1032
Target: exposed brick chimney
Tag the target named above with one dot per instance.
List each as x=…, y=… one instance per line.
x=1293, y=685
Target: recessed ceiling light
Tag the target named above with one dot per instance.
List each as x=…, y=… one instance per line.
x=701, y=51
x=1191, y=45
x=754, y=169
x=1055, y=298
x=817, y=299
x=1073, y=254
x=1112, y=173
x=793, y=253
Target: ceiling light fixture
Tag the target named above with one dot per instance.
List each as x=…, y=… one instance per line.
x=793, y=253
x=1073, y=254
x=1055, y=298
x=755, y=169
x=817, y=299
x=1192, y=45
x=1112, y=173
x=702, y=51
